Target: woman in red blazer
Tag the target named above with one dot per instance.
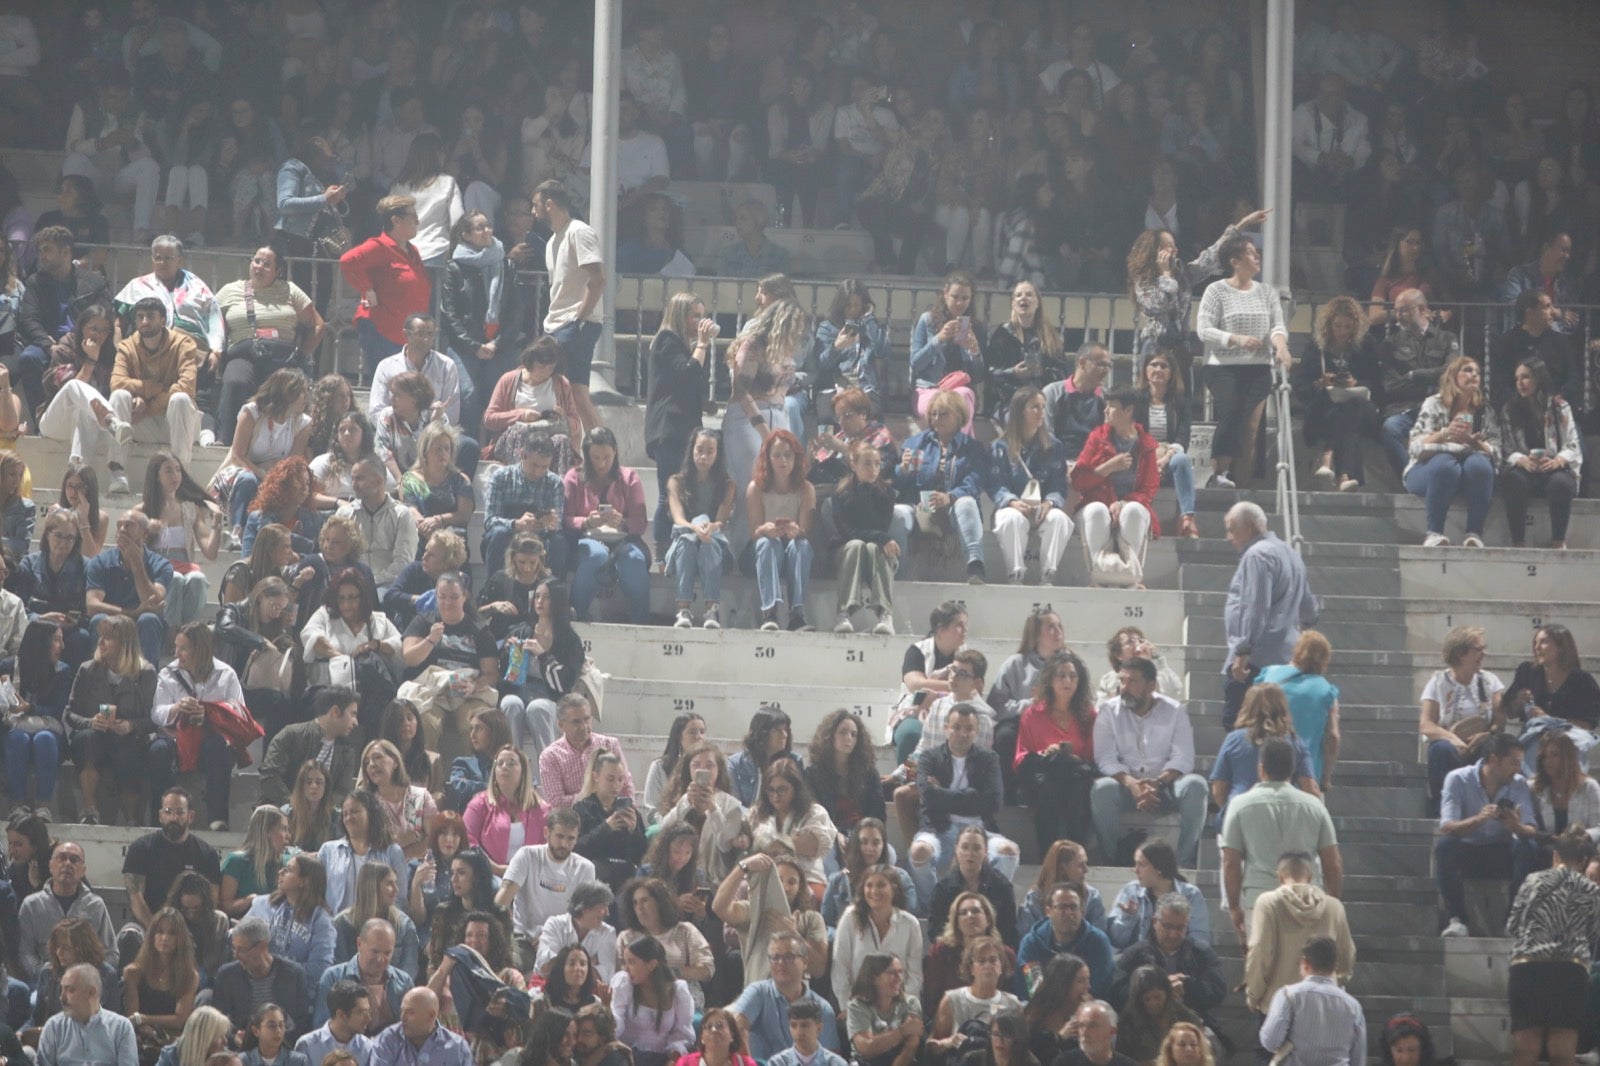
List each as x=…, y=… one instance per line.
x=1117, y=478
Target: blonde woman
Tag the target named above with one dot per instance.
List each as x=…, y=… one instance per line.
x=254, y=869
x=406, y=807
x=204, y=1034
x=439, y=492
x=1455, y=448
x=763, y=362
x=1334, y=381
x=1265, y=714
x=509, y=814
x=377, y=889
x=1185, y=1045
x=612, y=831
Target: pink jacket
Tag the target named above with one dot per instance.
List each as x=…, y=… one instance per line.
x=625, y=493
x=489, y=827
x=503, y=411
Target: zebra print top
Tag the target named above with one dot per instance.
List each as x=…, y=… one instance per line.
x=1556, y=915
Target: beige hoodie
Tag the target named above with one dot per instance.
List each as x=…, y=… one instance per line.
x=1281, y=923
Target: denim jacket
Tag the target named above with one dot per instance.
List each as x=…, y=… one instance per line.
x=860, y=359
x=931, y=360
x=1047, y=463
x=960, y=473
x=299, y=198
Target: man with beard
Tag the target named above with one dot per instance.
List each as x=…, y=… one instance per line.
x=155, y=860
x=540, y=881
x=597, y=1043
x=153, y=384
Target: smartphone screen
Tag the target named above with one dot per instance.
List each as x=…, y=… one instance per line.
x=702, y=778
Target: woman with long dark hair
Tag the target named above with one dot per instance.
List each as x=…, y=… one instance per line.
x=653, y=1009
x=866, y=847
x=684, y=735
x=1028, y=482
x=1155, y=875
x=185, y=526
x=770, y=734
x=680, y=352
x=787, y=813
x=437, y=197
x=884, y=1020
x=29, y=848
x=1055, y=750
x=842, y=774
x=195, y=897
x=781, y=506
x=1544, y=453
x=159, y=986
x=365, y=839
x=700, y=498
x=1152, y=1009
x=574, y=982
x=271, y=426
x=946, y=345
x=401, y=725
x=605, y=514
x=1163, y=410
x=37, y=733
x=349, y=623
x=77, y=387
x=553, y=654
x=1553, y=683
x=311, y=808
x=296, y=910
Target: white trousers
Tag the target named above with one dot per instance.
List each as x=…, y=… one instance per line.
x=141, y=177
x=1132, y=529
x=188, y=181
x=1012, y=529
x=70, y=417
x=178, y=428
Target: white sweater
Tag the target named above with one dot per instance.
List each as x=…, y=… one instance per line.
x=438, y=208
x=1252, y=312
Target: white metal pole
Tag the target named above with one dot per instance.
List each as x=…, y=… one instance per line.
x=603, y=176
x=1276, y=142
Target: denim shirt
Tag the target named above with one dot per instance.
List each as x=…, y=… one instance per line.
x=932, y=360
x=1047, y=463
x=966, y=467
x=299, y=198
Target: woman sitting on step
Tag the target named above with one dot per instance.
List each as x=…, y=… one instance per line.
x=1455, y=447
x=1117, y=477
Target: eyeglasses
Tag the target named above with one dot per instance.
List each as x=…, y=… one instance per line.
x=785, y=958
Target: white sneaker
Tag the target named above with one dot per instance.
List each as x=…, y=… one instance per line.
x=1220, y=481
x=219, y=826
x=713, y=618
x=885, y=626
x=1436, y=540
x=1455, y=929
x=1014, y=578
x=1325, y=475
x=843, y=625
x=684, y=620
x=208, y=439
x=1472, y=540
x=121, y=432
x=118, y=485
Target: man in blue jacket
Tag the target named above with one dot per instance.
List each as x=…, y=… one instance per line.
x=1064, y=932
x=369, y=968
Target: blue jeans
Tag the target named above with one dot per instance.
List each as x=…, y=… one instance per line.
x=965, y=513
x=1442, y=476
x=241, y=496
x=1181, y=473
x=152, y=634
x=216, y=766
x=690, y=557
x=1108, y=800
x=782, y=566
x=32, y=362
x=798, y=407
x=632, y=569
x=1397, y=439
x=375, y=348
x=42, y=751
x=1442, y=758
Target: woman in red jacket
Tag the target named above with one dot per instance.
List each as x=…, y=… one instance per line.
x=387, y=271
x=1117, y=477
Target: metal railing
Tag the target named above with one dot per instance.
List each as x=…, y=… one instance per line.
x=1287, y=483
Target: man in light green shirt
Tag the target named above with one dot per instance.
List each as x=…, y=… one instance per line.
x=1271, y=819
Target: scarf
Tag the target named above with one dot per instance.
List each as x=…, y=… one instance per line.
x=492, y=262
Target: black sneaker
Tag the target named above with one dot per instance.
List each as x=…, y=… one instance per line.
x=798, y=623
x=975, y=575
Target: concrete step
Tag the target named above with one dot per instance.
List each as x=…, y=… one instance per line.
x=36, y=168
x=711, y=203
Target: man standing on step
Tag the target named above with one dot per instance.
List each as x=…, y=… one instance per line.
x=1283, y=921
x=1144, y=745
x=577, y=286
x=1269, y=599
x=155, y=860
x=153, y=385
x=1486, y=828
x=1321, y=1023
x=54, y=297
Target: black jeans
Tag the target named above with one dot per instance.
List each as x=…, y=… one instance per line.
x=1235, y=392
x=1057, y=788
x=668, y=454
x=1518, y=486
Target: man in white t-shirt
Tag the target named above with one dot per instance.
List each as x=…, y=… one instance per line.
x=540, y=881
x=577, y=282
x=1462, y=690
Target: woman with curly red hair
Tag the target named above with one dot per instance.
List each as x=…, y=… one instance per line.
x=284, y=497
x=781, y=505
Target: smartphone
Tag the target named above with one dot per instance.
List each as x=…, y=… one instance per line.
x=606, y=508
x=1506, y=803
x=702, y=778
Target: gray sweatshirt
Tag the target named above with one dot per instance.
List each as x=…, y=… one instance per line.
x=1013, y=685
x=41, y=912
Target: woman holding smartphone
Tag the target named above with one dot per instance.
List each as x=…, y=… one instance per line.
x=947, y=346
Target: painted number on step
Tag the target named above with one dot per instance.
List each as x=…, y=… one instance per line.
x=1133, y=610
x=1042, y=607
x=864, y=710
x=588, y=646
x=1533, y=569
x=855, y=655
x=671, y=650
x=771, y=705
x=765, y=651
x=683, y=704
x=1537, y=622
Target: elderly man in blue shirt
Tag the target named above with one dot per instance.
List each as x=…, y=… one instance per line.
x=85, y=1034
x=1269, y=599
x=418, y=1039
x=1486, y=827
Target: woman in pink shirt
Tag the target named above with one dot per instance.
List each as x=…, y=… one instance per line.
x=605, y=512
x=509, y=813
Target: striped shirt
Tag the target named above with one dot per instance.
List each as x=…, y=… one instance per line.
x=1323, y=1022
x=1556, y=915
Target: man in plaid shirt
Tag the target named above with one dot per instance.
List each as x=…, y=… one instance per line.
x=526, y=498
x=562, y=764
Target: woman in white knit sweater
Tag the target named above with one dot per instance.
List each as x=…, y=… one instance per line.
x=1240, y=319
